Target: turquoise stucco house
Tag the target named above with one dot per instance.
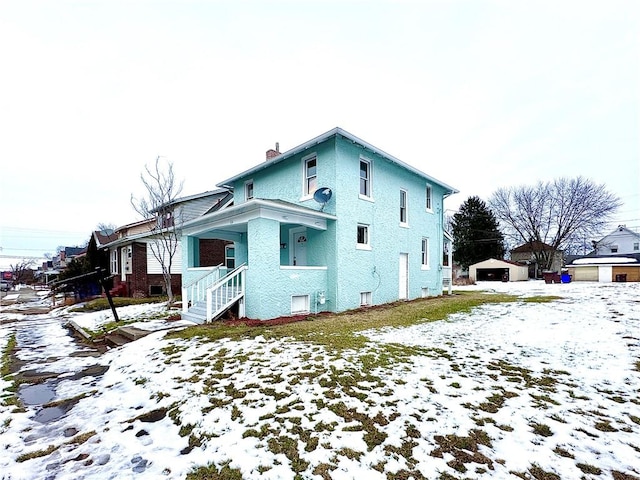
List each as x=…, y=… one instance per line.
x=330, y=225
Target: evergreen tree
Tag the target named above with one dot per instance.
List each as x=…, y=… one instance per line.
x=476, y=236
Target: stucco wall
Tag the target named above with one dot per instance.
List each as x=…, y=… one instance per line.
x=343, y=270
x=377, y=270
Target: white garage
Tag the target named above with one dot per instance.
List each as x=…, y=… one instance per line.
x=605, y=269
x=498, y=270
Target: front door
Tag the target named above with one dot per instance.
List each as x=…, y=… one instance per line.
x=403, y=277
x=298, y=242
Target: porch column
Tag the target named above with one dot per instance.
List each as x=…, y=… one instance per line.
x=263, y=260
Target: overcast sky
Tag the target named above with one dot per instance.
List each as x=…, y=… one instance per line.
x=479, y=94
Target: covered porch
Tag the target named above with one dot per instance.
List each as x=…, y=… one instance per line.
x=278, y=264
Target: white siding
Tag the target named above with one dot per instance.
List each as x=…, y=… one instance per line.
x=154, y=267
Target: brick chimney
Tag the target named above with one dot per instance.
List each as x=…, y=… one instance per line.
x=271, y=153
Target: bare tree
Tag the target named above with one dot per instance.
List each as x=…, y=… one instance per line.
x=162, y=190
x=560, y=213
x=22, y=271
x=106, y=228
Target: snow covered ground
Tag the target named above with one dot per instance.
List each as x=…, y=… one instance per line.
x=507, y=389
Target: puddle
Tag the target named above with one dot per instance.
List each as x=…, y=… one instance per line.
x=37, y=394
x=45, y=393
x=49, y=414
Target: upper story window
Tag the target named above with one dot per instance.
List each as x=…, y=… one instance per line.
x=403, y=207
x=429, y=201
x=365, y=178
x=614, y=249
x=363, y=238
x=248, y=190
x=636, y=245
x=310, y=175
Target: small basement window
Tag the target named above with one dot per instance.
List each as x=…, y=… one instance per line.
x=365, y=299
x=299, y=304
x=155, y=290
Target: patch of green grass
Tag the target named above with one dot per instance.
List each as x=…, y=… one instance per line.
x=340, y=332
x=540, y=474
x=541, y=401
x=496, y=400
x=605, y=426
x=562, y=452
x=557, y=418
x=541, y=299
x=373, y=436
x=464, y=449
x=5, y=372
x=7, y=351
x=541, y=429
x=212, y=472
x=103, y=304
x=577, y=397
x=586, y=468
x=36, y=454
x=81, y=438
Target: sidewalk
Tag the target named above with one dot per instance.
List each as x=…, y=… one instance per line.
x=26, y=297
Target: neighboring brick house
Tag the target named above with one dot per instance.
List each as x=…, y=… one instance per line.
x=138, y=273
x=531, y=254
x=65, y=255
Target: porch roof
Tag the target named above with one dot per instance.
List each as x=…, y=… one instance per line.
x=234, y=219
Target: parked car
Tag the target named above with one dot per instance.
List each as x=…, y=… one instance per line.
x=5, y=286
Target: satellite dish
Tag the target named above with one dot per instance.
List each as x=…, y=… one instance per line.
x=322, y=195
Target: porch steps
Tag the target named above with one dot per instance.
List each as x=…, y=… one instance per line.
x=197, y=313
x=223, y=300
x=123, y=335
x=116, y=340
x=213, y=299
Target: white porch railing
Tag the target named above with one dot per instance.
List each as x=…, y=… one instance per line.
x=225, y=292
x=196, y=290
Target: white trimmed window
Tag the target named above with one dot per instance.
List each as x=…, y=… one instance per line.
x=365, y=299
x=425, y=253
x=230, y=256
x=403, y=207
x=310, y=175
x=636, y=246
x=248, y=190
x=299, y=304
x=429, y=200
x=114, y=261
x=365, y=178
x=363, y=237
